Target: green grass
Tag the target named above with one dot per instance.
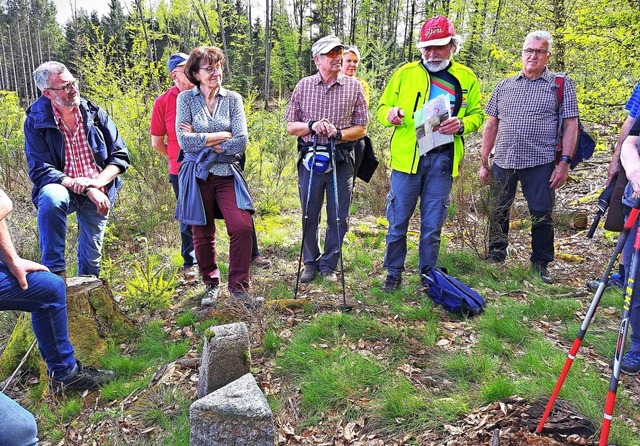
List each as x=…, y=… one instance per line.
x=188, y=318
x=319, y=358
x=271, y=341
x=156, y=346
x=510, y=357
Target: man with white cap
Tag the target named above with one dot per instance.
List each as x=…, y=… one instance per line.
x=165, y=142
x=327, y=104
x=428, y=176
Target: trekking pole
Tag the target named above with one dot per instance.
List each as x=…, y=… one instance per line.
x=332, y=148
x=306, y=213
x=622, y=337
x=624, y=235
x=603, y=204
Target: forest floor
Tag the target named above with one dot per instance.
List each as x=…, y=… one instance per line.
x=509, y=421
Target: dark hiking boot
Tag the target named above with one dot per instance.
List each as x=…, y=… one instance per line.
x=330, y=276
x=87, y=378
x=614, y=281
x=260, y=262
x=391, y=284
x=543, y=272
x=246, y=299
x=494, y=257
x=308, y=275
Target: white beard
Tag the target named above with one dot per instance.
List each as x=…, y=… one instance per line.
x=437, y=66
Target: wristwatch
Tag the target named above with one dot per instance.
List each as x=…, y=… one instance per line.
x=461, y=130
x=566, y=159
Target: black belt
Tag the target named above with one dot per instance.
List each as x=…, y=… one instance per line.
x=440, y=149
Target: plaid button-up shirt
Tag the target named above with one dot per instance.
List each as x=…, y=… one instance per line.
x=343, y=103
x=528, y=114
x=79, y=160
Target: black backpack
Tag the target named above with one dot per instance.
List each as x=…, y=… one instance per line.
x=453, y=295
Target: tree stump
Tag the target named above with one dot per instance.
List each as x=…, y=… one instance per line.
x=95, y=320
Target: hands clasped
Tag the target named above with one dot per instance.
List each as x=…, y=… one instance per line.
x=325, y=128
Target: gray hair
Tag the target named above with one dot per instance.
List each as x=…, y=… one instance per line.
x=43, y=73
x=539, y=35
x=456, y=43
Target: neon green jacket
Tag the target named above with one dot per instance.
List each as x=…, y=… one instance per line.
x=409, y=89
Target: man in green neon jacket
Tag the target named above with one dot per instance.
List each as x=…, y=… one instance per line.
x=416, y=174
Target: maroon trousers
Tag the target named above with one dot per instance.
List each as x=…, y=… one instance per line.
x=220, y=190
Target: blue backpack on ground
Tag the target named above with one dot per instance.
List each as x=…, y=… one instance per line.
x=453, y=295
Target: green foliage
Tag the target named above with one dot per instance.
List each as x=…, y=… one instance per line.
x=271, y=341
x=499, y=388
x=13, y=172
x=150, y=288
x=155, y=345
x=468, y=369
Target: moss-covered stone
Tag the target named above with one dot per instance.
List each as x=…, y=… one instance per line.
x=17, y=346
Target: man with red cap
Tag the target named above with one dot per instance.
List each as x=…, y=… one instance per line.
x=427, y=176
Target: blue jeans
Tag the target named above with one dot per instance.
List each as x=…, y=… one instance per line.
x=46, y=300
x=55, y=203
x=17, y=425
x=432, y=184
x=540, y=200
x=321, y=183
x=186, y=248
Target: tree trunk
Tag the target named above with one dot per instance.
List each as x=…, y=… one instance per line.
x=267, y=51
x=224, y=39
x=95, y=320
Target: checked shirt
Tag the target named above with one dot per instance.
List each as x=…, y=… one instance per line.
x=79, y=160
x=528, y=119
x=633, y=104
x=343, y=103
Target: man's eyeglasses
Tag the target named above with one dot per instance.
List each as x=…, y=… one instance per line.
x=531, y=51
x=337, y=51
x=211, y=68
x=67, y=87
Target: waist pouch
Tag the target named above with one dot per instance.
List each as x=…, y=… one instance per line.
x=343, y=152
x=317, y=158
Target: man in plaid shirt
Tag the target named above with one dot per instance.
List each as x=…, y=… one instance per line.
x=331, y=105
x=522, y=124
x=75, y=156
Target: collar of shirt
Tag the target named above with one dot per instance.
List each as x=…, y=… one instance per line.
x=546, y=75
x=58, y=117
x=221, y=91
x=339, y=80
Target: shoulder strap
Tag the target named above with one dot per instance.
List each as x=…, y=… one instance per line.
x=558, y=81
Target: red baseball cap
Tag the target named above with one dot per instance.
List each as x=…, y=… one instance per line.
x=436, y=31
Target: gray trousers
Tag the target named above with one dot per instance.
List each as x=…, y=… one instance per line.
x=321, y=183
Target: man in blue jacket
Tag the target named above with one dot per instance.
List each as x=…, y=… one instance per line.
x=75, y=156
